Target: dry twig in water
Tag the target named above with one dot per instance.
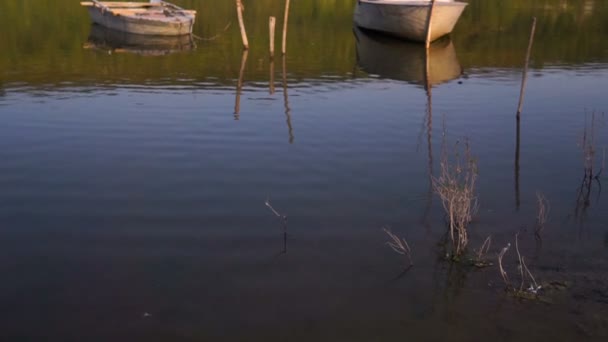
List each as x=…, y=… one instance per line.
x=399, y=245
x=283, y=218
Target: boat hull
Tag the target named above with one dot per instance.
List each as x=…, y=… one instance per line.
x=131, y=23
x=408, y=19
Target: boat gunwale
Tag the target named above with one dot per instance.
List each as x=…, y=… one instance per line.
x=414, y=3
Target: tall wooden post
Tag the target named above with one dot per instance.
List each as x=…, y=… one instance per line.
x=271, y=25
x=285, y=20
x=239, y=12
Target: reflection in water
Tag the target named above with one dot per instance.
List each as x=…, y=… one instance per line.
x=590, y=176
x=517, y=141
x=113, y=41
x=286, y=101
x=411, y=62
x=239, y=85
x=406, y=61
x=271, y=77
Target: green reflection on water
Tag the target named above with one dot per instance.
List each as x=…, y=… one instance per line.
x=43, y=40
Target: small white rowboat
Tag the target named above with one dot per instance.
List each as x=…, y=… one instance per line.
x=408, y=18
x=158, y=18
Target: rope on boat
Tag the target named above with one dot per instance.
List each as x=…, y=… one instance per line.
x=215, y=36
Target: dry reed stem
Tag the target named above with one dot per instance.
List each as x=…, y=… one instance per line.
x=456, y=188
x=503, y=273
x=399, y=245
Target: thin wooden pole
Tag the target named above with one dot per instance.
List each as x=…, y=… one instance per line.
x=285, y=19
x=239, y=12
x=428, y=24
x=271, y=25
x=525, y=72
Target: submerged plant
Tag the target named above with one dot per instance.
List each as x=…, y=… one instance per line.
x=455, y=186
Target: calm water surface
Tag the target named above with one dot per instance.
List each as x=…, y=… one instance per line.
x=134, y=175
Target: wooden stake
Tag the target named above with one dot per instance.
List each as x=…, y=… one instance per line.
x=428, y=24
x=525, y=72
x=271, y=25
x=239, y=12
x=285, y=19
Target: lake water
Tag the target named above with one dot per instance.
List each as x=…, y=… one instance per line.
x=133, y=180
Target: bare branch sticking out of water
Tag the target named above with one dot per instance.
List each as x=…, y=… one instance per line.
x=503, y=273
x=525, y=273
x=281, y=217
x=543, y=213
x=480, y=261
x=399, y=245
x=534, y=287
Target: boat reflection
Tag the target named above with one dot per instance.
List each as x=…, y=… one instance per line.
x=392, y=58
x=112, y=41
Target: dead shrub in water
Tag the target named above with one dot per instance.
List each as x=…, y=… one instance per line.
x=456, y=188
x=399, y=245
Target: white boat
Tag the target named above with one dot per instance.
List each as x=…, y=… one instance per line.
x=150, y=18
x=408, y=18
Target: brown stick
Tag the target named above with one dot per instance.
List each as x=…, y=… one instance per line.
x=239, y=12
x=525, y=72
x=428, y=24
x=285, y=19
